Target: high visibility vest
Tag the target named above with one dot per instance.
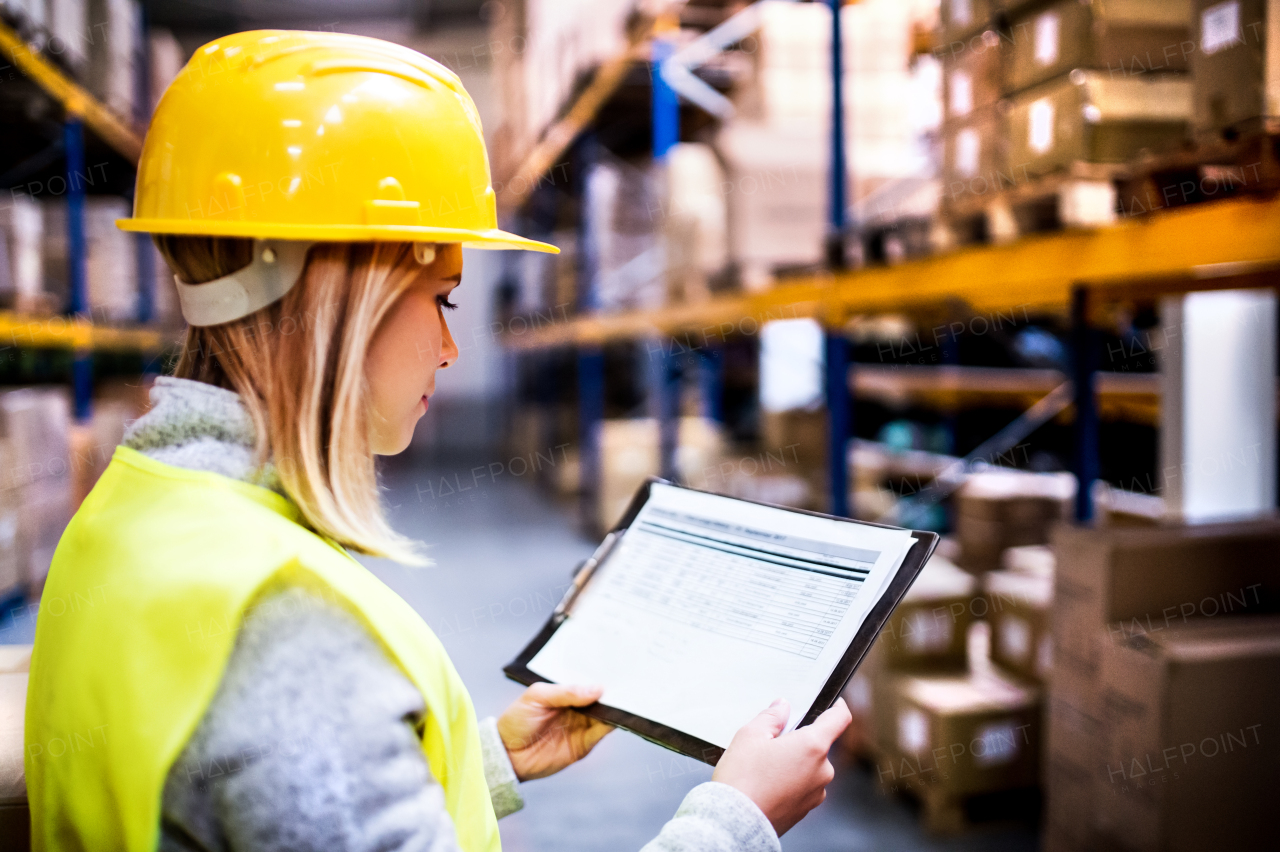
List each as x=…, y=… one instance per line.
x=146, y=593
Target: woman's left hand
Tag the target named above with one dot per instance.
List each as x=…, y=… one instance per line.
x=543, y=734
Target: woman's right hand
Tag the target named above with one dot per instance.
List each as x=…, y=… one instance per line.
x=786, y=776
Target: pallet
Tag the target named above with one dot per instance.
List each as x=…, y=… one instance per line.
x=1080, y=196
x=945, y=811
x=1245, y=162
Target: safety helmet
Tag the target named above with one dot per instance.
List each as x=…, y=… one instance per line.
x=293, y=137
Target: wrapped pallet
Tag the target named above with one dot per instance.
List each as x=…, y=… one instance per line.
x=626, y=222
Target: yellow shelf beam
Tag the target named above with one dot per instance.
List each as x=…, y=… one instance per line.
x=57, y=332
x=1224, y=244
x=1133, y=397
x=74, y=99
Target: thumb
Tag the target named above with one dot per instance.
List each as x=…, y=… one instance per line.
x=558, y=695
x=770, y=721
x=832, y=723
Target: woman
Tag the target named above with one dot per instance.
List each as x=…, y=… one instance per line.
x=241, y=682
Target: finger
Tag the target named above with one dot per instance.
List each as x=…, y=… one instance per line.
x=770, y=721
x=594, y=734
x=559, y=695
x=832, y=723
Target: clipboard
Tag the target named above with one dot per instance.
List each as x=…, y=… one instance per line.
x=676, y=740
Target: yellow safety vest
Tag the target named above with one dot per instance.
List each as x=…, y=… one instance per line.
x=148, y=587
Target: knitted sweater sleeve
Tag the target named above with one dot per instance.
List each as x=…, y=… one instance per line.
x=311, y=743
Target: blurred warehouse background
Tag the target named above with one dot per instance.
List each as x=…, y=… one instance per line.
x=1003, y=269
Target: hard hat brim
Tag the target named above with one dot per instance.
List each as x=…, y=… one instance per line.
x=494, y=238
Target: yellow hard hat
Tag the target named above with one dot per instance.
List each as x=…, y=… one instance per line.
x=288, y=135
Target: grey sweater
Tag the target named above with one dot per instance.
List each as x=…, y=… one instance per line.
x=312, y=740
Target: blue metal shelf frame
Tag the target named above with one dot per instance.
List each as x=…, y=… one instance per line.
x=1084, y=368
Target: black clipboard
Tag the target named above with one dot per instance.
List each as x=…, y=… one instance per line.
x=678, y=741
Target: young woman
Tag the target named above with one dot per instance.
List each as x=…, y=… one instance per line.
x=240, y=682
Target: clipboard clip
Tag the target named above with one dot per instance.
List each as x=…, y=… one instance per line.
x=582, y=575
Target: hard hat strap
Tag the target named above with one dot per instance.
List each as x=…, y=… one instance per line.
x=275, y=268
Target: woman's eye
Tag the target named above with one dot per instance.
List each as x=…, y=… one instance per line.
x=443, y=301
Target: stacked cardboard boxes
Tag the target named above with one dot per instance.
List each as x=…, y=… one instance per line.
x=1123, y=38
x=114, y=53
x=540, y=50
x=629, y=454
x=973, y=151
x=1191, y=758
x=1095, y=117
x=1095, y=82
x=34, y=426
x=999, y=509
x=1120, y=591
x=1019, y=609
x=777, y=152
x=941, y=723
x=955, y=736
x=927, y=633
x=1235, y=63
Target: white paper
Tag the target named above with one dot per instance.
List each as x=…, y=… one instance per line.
x=1220, y=27
x=710, y=608
x=1046, y=46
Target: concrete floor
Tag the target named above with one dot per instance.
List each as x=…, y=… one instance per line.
x=504, y=552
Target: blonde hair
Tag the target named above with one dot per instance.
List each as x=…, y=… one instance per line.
x=298, y=365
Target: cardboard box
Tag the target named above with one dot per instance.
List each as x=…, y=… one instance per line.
x=1129, y=581
x=1019, y=610
x=929, y=627
x=967, y=733
x=1123, y=38
x=971, y=75
x=1192, y=759
x=1093, y=117
x=962, y=18
x=629, y=454
x=1029, y=559
x=1236, y=74
x=974, y=158
x=1068, y=824
x=1000, y=509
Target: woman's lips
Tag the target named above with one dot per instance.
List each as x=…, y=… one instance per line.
x=426, y=403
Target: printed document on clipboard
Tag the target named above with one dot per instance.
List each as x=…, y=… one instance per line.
x=699, y=610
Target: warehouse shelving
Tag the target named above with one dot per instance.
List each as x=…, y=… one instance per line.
x=81, y=110
x=1220, y=245
x=73, y=98
x=1078, y=273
